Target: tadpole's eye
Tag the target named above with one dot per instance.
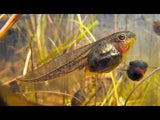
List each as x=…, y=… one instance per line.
x=121, y=37
x=130, y=63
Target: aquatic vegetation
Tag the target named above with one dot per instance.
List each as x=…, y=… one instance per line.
x=98, y=57
x=41, y=37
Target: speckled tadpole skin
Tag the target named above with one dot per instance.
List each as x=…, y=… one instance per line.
x=101, y=56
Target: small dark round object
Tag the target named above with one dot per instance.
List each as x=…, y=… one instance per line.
x=121, y=37
x=10, y=31
x=78, y=98
x=2, y=103
x=14, y=86
x=156, y=27
x=136, y=69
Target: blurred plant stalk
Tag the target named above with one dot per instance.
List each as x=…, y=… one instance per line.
x=2, y=16
x=8, y=25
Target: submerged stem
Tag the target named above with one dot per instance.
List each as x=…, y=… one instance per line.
x=114, y=87
x=154, y=71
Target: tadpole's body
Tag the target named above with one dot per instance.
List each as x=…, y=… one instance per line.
x=104, y=57
x=101, y=56
x=136, y=69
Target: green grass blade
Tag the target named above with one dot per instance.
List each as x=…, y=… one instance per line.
x=114, y=87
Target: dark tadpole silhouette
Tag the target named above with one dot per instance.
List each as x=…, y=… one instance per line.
x=78, y=98
x=156, y=27
x=136, y=69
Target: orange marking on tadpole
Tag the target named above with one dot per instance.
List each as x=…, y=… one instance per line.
x=139, y=70
x=123, y=48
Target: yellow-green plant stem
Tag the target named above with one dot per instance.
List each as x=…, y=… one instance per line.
x=110, y=91
x=53, y=44
x=114, y=87
x=145, y=92
x=83, y=26
x=27, y=63
x=41, y=25
x=82, y=35
x=154, y=71
x=68, y=46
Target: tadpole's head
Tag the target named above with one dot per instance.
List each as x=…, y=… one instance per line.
x=123, y=41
